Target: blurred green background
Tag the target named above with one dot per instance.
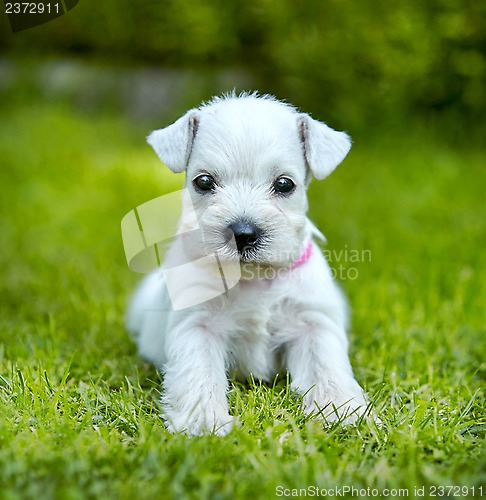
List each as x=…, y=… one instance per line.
x=356, y=63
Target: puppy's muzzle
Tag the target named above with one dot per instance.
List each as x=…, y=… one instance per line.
x=247, y=235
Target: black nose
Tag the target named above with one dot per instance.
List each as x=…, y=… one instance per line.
x=246, y=235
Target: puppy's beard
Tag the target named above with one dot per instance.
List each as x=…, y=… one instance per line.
x=280, y=241
x=271, y=253
x=211, y=252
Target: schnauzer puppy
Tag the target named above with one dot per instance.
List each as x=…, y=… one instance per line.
x=248, y=161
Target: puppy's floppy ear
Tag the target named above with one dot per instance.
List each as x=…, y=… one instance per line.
x=173, y=144
x=324, y=148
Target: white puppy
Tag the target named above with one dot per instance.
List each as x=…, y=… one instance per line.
x=248, y=162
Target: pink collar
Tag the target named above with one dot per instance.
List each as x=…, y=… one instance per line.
x=304, y=257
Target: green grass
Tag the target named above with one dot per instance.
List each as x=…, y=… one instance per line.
x=79, y=413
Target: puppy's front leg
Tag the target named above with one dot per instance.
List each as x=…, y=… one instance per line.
x=318, y=362
x=195, y=383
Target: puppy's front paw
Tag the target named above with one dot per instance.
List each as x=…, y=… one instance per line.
x=199, y=422
x=344, y=401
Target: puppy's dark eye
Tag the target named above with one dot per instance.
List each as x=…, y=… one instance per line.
x=204, y=182
x=283, y=185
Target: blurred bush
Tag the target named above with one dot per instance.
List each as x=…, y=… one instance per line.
x=356, y=61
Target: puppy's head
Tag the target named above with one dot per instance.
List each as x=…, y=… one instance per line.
x=248, y=161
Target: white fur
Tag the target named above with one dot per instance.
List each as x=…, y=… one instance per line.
x=294, y=321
